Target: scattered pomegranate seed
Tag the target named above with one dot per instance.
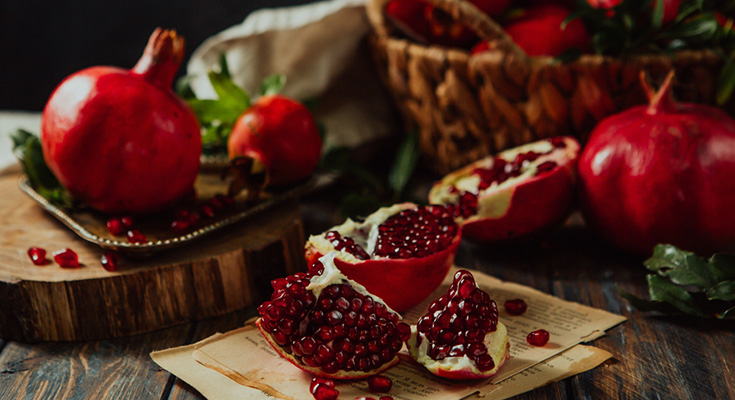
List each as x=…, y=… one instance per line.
x=322, y=391
x=379, y=384
x=37, y=255
x=318, y=379
x=538, y=338
x=127, y=220
x=207, y=211
x=134, y=236
x=364, y=398
x=66, y=258
x=109, y=261
x=115, y=226
x=386, y=397
x=515, y=306
x=180, y=226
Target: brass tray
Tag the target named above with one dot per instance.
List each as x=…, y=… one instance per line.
x=90, y=225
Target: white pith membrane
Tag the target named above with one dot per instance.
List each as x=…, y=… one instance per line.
x=464, y=180
x=496, y=343
x=363, y=233
x=333, y=276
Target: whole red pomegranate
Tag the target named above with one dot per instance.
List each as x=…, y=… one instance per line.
x=538, y=31
x=330, y=326
x=661, y=173
x=281, y=137
x=399, y=253
x=120, y=140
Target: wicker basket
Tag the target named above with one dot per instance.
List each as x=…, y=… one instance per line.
x=466, y=107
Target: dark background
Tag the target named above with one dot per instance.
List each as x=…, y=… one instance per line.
x=42, y=42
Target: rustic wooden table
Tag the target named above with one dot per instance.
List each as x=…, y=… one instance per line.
x=655, y=356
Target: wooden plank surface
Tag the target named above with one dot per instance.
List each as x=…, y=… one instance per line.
x=654, y=356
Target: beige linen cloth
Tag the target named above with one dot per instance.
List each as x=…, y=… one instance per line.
x=323, y=51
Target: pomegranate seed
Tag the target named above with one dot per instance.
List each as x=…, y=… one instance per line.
x=115, y=226
x=180, y=226
x=545, y=167
x=37, y=255
x=324, y=392
x=364, y=398
x=109, y=261
x=379, y=384
x=127, y=220
x=558, y=142
x=207, y=211
x=538, y=338
x=318, y=379
x=66, y=258
x=134, y=236
x=515, y=306
x=409, y=233
x=386, y=398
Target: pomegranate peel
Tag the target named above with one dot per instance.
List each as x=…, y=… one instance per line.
x=515, y=193
x=405, y=281
x=330, y=327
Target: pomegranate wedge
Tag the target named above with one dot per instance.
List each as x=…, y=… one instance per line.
x=515, y=193
x=399, y=253
x=460, y=337
x=330, y=326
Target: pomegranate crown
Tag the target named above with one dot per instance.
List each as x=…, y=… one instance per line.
x=161, y=58
x=661, y=99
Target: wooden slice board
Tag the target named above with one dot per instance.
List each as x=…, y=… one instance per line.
x=220, y=273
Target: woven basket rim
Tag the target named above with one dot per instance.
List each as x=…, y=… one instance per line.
x=418, y=48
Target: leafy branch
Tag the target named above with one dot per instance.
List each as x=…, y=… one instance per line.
x=683, y=282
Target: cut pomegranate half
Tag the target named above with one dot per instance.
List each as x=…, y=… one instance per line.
x=329, y=325
x=513, y=194
x=399, y=253
x=460, y=337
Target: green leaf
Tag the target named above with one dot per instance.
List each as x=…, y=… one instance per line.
x=224, y=69
x=646, y=305
x=723, y=266
x=27, y=149
x=272, y=84
x=183, y=88
x=726, y=82
x=230, y=95
x=727, y=313
x=682, y=267
x=340, y=160
x=659, y=289
x=213, y=111
x=657, y=18
x=722, y=291
x=404, y=164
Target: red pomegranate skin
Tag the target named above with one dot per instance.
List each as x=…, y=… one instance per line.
x=662, y=174
x=538, y=31
x=281, y=134
x=120, y=140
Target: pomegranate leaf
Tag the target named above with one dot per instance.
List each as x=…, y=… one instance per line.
x=404, y=164
x=686, y=283
x=27, y=149
x=272, y=84
x=230, y=95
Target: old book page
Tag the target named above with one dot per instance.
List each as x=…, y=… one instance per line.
x=245, y=357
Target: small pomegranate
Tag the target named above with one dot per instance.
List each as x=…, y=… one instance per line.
x=399, y=253
x=460, y=337
x=37, y=256
x=515, y=193
x=538, y=31
x=329, y=325
x=281, y=138
x=121, y=140
x=661, y=173
x=538, y=338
